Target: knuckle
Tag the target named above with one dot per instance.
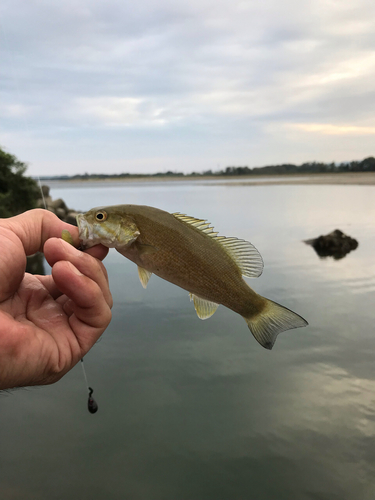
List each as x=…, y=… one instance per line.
x=91, y=264
x=107, y=316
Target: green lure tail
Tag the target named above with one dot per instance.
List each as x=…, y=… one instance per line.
x=66, y=236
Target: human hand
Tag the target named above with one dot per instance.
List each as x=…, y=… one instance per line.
x=48, y=323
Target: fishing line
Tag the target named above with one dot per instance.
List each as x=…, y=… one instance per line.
x=91, y=403
x=41, y=190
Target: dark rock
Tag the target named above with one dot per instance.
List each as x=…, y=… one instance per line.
x=335, y=244
x=58, y=204
x=58, y=207
x=45, y=191
x=35, y=264
x=71, y=217
x=60, y=212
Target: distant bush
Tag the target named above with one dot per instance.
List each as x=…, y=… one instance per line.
x=18, y=193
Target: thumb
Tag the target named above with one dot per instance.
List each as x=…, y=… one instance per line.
x=24, y=235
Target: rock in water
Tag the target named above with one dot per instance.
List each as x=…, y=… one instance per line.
x=335, y=244
x=58, y=207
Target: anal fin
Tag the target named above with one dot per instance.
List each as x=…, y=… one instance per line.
x=204, y=308
x=144, y=276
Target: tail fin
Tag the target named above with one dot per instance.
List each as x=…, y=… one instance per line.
x=273, y=320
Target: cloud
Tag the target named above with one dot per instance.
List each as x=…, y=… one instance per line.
x=15, y=110
x=229, y=70
x=329, y=129
x=110, y=110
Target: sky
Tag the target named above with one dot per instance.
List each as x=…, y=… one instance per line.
x=150, y=86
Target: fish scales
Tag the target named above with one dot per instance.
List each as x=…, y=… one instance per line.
x=185, y=252
x=190, y=259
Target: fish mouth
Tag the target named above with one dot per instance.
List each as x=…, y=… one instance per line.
x=86, y=233
x=83, y=228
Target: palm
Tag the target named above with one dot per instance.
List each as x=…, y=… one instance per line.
x=52, y=348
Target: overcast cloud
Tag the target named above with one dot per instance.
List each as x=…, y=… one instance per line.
x=114, y=86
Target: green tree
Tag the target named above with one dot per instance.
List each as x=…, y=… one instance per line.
x=18, y=193
x=368, y=164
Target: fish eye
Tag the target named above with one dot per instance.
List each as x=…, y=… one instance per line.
x=101, y=216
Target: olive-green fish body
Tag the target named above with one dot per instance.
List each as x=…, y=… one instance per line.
x=188, y=253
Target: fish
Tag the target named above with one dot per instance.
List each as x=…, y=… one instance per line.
x=187, y=252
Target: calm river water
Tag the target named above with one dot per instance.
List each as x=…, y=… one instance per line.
x=197, y=410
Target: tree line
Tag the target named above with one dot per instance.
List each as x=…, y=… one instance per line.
x=366, y=165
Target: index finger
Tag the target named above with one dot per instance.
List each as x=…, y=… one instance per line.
x=56, y=250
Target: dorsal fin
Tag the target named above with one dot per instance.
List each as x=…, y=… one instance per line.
x=200, y=224
x=245, y=255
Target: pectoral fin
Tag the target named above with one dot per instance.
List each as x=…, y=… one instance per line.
x=144, y=249
x=204, y=308
x=144, y=276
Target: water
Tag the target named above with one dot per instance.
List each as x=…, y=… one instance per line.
x=197, y=410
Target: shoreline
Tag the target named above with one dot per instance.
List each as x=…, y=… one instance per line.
x=349, y=178
x=353, y=178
